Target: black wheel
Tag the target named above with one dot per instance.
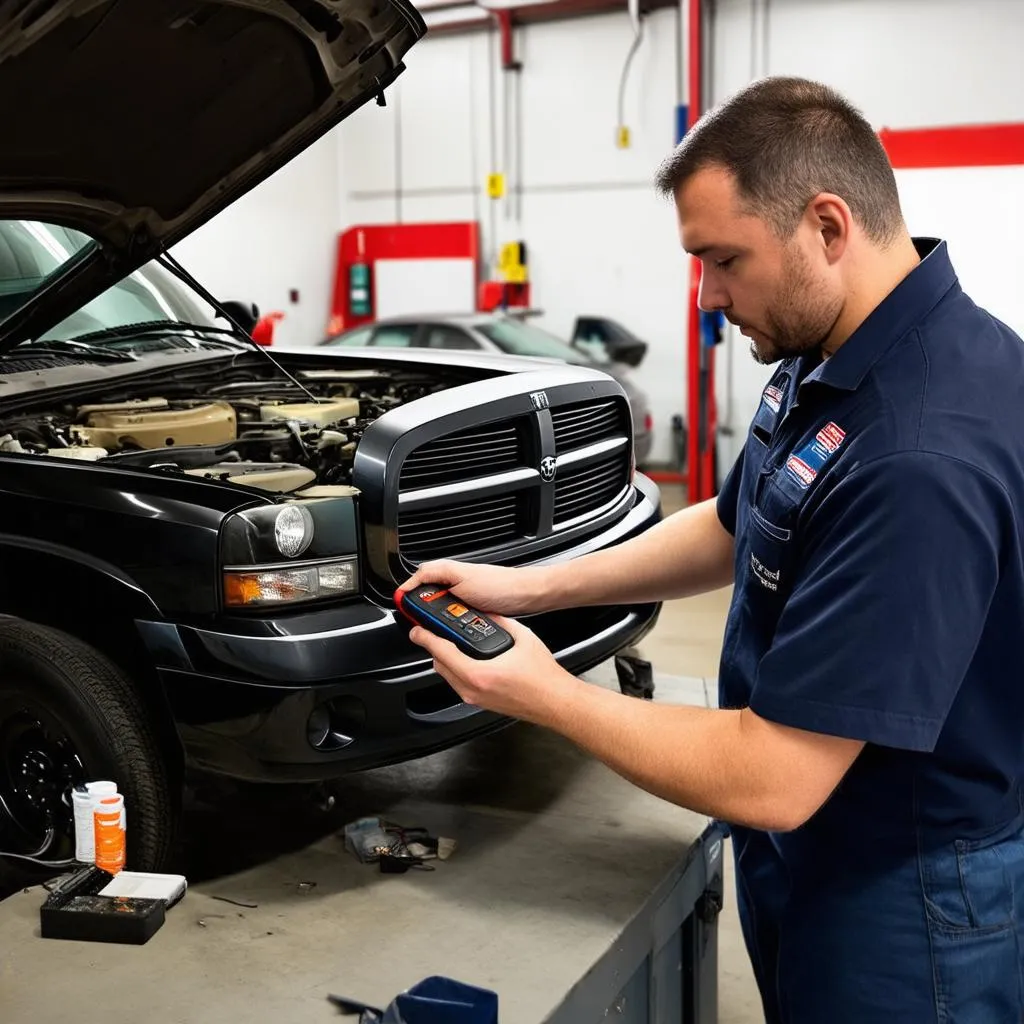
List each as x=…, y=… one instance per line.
x=67, y=715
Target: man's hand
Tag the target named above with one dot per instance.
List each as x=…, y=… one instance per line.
x=525, y=682
x=487, y=588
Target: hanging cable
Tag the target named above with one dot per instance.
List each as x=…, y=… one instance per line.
x=32, y=857
x=40, y=863
x=638, y=36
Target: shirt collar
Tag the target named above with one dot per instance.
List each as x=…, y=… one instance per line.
x=906, y=305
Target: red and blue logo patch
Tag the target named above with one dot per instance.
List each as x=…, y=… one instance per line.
x=805, y=464
x=773, y=397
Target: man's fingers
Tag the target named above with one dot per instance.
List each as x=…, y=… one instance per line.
x=431, y=642
x=442, y=651
x=430, y=572
x=514, y=626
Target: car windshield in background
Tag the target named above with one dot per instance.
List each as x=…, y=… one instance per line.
x=521, y=339
x=33, y=253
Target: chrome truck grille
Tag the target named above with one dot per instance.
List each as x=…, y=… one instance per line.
x=530, y=472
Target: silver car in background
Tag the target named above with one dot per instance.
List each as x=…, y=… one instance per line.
x=597, y=343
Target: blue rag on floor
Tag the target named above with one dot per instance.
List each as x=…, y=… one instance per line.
x=435, y=1000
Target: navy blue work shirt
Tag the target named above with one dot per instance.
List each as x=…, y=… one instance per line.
x=877, y=509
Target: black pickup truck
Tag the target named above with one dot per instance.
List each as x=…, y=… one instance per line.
x=199, y=543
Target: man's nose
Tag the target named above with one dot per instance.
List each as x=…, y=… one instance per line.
x=711, y=297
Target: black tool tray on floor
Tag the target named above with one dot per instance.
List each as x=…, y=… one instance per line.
x=75, y=910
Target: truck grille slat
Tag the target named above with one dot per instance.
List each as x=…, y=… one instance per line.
x=587, y=489
x=576, y=426
x=435, y=471
x=460, y=528
x=467, y=528
x=579, y=489
x=570, y=510
x=463, y=456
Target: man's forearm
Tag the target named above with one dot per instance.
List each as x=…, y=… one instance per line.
x=727, y=764
x=687, y=553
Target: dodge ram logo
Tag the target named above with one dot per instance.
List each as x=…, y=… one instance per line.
x=548, y=466
x=539, y=399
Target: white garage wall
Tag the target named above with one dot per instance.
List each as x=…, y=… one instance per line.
x=906, y=64
x=599, y=240
x=278, y=237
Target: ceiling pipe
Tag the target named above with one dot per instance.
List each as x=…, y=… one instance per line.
x=504, y=18
x=529, y=12
x=700, y=469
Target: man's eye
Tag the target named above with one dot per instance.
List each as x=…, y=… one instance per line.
x=724, y=264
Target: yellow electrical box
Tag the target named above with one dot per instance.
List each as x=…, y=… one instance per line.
x=496, y=186
x=512, y=262
x=622, y=137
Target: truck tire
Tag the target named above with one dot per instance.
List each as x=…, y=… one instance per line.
x=68, y=714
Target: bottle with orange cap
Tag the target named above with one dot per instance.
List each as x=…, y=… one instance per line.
x=110, y=845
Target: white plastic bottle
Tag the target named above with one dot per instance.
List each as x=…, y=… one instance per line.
x=85, y=830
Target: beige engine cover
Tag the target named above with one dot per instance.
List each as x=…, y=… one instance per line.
x=282, y=479
x=113, y=427
x=323, y=414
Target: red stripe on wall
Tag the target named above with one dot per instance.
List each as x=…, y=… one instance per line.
x=975, y=145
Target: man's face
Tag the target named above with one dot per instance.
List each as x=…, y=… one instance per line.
x=779, y=292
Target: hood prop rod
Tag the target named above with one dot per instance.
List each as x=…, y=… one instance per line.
x=167, y=261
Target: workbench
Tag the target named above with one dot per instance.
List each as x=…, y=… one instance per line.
x=572, y=894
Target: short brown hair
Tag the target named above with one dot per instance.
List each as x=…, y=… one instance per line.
x=785, y=140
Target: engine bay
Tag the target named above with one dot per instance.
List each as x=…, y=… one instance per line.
x=264, y=433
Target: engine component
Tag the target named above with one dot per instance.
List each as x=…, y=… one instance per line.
x=9, y=443
x=134, y=405
x=273, y=444
x=86, y=453
x=321, y=413
x=328, y=491
x=155, y=427
x=281, y=478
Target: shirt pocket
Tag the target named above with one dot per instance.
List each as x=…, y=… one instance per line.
x=769, y=572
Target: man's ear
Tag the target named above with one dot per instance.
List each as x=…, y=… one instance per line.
x=832, y=220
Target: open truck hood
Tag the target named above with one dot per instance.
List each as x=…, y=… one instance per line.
x=135, y=121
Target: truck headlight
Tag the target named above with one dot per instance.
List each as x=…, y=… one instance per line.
x=293, y=530
x=291, y=553
x=288, y=584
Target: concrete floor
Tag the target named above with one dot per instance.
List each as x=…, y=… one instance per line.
x=236, y=854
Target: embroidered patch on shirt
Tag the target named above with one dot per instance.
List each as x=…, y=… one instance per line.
x=830, y=437
x=801, y=470
x=805, y=464
x=773, y=397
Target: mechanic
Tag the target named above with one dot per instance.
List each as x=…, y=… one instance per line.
x=867, y=748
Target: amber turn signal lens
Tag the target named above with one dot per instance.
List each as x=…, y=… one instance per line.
x=260, y=588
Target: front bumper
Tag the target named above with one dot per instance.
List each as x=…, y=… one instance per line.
x=321, y=694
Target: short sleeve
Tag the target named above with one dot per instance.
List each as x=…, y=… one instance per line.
x=895, y=573
x=729, y=496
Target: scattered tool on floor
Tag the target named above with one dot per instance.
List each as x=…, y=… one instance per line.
x=394, y=847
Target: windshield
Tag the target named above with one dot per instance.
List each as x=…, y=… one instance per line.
x=521, y=339
x=32, y=253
